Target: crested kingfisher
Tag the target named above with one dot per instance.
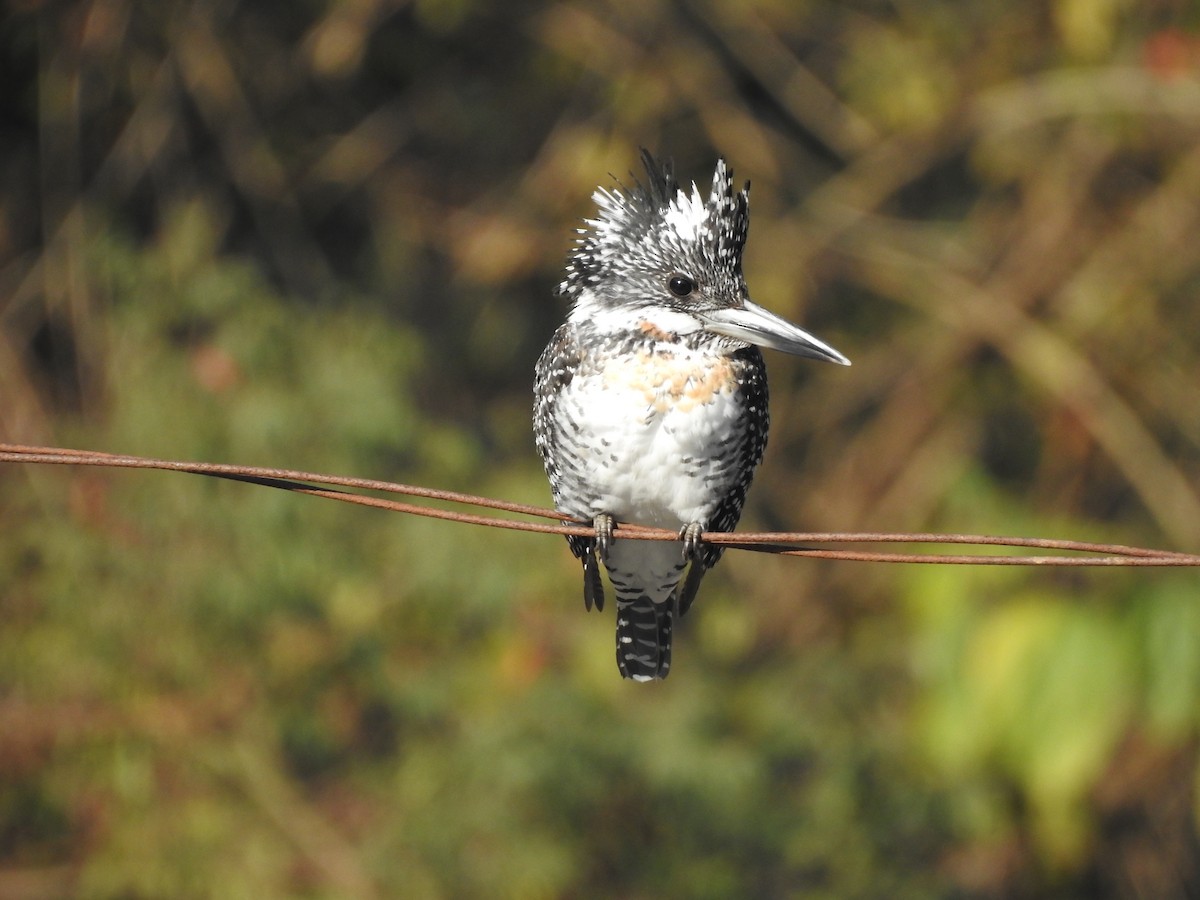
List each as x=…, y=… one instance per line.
x=651, y=399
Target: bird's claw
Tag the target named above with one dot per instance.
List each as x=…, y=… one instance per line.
x=690, y=535
x=604, y=525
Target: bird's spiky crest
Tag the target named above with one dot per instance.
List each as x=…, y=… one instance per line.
x=653, y=225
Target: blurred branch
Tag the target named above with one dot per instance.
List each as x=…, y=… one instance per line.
x=793, y=85
x=254, y=167
x=1053, y=363
x=312, y=834
x=1101, y=91
x=21, y=410
x=62, y=278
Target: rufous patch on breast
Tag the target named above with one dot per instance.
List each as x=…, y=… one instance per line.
x=670, y=381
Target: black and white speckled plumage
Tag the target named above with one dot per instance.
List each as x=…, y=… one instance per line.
x=651, y=399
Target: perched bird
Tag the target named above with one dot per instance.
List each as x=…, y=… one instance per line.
x=651, y=399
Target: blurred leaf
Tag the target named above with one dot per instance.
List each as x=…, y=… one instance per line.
x=1170, y=619
x=1088, y=27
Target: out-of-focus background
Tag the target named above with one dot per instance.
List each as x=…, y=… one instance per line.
x=325, y=235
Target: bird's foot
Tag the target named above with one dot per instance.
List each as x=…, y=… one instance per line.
x=604, y=526
x=690, y=535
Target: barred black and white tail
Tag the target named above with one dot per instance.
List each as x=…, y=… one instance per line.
x=644, y=638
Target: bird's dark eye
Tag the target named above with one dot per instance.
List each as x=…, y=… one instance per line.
x=680, y=285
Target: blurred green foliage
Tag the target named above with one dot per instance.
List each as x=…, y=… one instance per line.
x=325, y=236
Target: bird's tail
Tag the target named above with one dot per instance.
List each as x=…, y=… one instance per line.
x=644, y=638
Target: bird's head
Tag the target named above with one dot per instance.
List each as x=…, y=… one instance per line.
x=675, y=259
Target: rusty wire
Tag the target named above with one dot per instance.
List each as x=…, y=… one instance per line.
x=784, y=543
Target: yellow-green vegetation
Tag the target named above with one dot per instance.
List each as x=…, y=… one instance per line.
x=325, y=236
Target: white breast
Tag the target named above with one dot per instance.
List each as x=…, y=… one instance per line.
x=657, y=438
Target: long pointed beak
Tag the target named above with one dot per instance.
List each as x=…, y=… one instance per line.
x=755, y=325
